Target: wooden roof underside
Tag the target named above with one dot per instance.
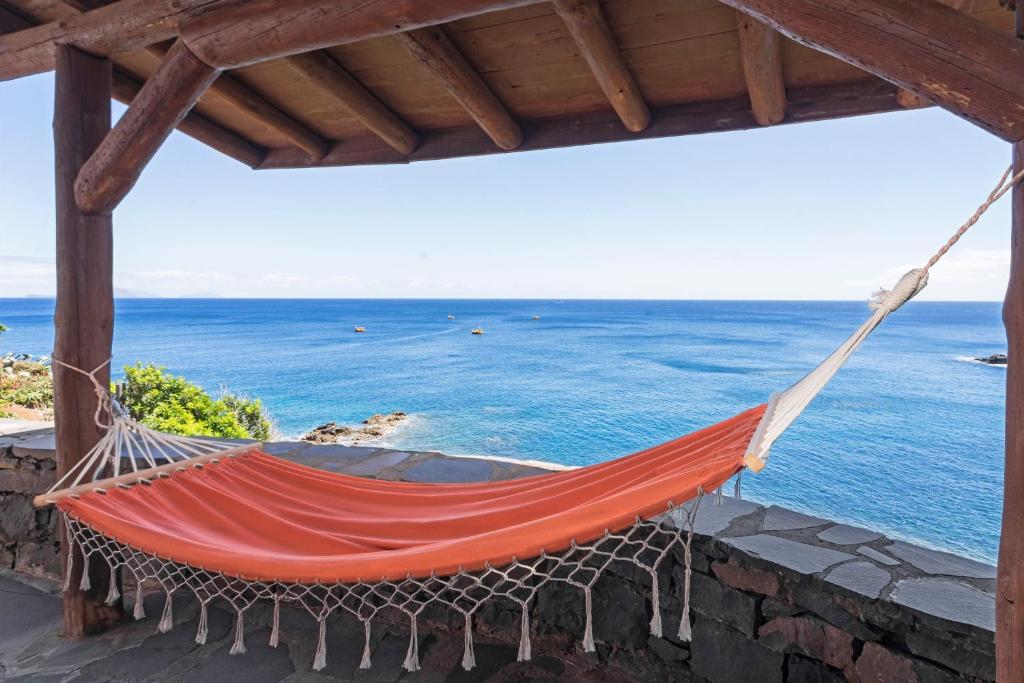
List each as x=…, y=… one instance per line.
x=684, y=57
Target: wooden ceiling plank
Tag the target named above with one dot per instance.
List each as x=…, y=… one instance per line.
x=588, y=28
x=323, y=72
x=761, y=56
x=243, y=99
x=432, y=48
x=162, y=103
x=946, y=56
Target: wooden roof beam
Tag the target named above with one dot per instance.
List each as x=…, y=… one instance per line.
x=909, y=100
x=126, y=86
x=324, y=73
x=588, y=28
x=432, y=48
x=946, y=56
x=761, y=56
x=160, y=106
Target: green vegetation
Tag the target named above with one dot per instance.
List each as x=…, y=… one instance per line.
x=174, y=405
x=151, y=395
x=27, y=385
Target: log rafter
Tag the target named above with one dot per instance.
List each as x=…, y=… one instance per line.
x=162, y=103
x=593, y=37
x=761, y=57
x=432, y=48
x=327, y=75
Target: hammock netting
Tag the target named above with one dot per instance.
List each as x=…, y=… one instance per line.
x=241, y=525
x=249, y=526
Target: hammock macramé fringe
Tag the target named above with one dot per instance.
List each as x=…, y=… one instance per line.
x=646, y=544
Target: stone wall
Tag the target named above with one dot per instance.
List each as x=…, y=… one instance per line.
x=781, y=596
x=777, y=595
x=28, y=537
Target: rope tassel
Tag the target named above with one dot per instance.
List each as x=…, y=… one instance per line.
x=320, y=658
x=364, y=663
x=275, y=631
x=140, y=610
x=238, y=647
x=412, y=655
x=112, y=593
x=525, y=653
x=655, y=606
x=204, y=629
x=85, y=584
x=685, y=630
x=588, y=631
x=468, y=656
x=167, y=618
x=70, y=565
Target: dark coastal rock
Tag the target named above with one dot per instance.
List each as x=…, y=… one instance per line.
x=994, y=359
x=377, y=426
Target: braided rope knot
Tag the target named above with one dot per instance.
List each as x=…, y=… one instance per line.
x=909, y=286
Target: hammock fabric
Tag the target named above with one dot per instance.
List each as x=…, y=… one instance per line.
x=260, y=517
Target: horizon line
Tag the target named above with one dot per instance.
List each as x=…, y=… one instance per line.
x=49, y=297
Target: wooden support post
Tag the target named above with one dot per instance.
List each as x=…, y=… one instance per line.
x=84, y=320
x=432, y=48
x=588, y=28
x=162, y=103
x=1010, y=572
x=761, y=55
x=325, y=74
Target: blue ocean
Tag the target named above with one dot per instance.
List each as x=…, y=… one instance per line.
x=908, y=439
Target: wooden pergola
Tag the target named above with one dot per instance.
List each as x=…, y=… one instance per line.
x=304, y=83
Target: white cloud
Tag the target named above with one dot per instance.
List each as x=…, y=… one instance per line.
x=284, y=278
x=26, y=275
x=959, y=275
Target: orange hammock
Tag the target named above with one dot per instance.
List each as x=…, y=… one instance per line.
x=259, y=517
x=243, y=525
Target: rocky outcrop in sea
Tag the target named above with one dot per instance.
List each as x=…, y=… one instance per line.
x=375, y=427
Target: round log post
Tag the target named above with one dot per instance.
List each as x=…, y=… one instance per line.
x=1010, y=573
x=84, y=318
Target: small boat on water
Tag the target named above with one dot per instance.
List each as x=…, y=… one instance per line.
x=478, y=330
x=360, y=329
x=536, y=317
x=451, y=316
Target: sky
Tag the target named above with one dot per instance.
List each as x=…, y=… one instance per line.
x=829, y=210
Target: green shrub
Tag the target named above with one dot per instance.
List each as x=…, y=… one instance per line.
x=26, y=384
x=174, y=405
